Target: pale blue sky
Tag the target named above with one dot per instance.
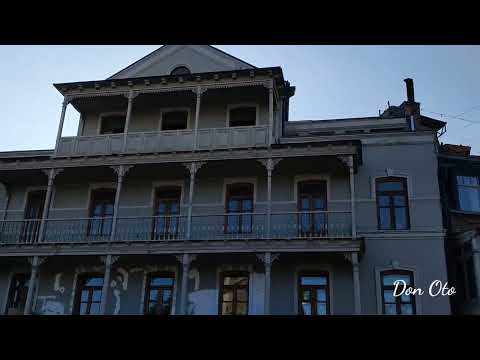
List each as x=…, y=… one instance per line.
x=331, y=81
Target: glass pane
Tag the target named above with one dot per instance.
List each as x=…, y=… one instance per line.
x=167, y=295
x=151, y=307
x=401, y=218
x=242, y=295
x=161, y=281
x=390, y=278
x=228, y=295
x=321, y=295
x=407, y=309
x=468, y=180
x=109, y=210
x=469, y=198
x=307, y=308
x=247, y=223
x=227, y=308
x=390, y=186
x=304, y=204
x=95, y=309
x=321, y=309
x=384, y=200
x=97, y=295
x=94, y=281
x=320, y=223
x=305, y=222
x=233, y=205
x=390, y=309
x=306, y=295
x=162, y=208
x=406, y=298
x=175, y=207
x=385, y=222
x=399, y=200
x=242, y=308
x=233, y=223
x=83, y=309
x=235, y=280
x=313, y=280
x=84, y=297
x=153, y=295
x=388, y=296
x=247, y=205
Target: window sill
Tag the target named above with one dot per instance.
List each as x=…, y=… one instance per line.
x=465, y=212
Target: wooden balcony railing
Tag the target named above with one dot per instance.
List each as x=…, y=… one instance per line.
x=223, y=227
x=164, y=141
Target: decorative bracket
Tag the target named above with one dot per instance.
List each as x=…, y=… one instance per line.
x=52, y=173
x=186, y=259
x=199, y=90
x=269, y=163
x=121, y=170
x=352, y=258
x=268, y=258
x=193, y=167
x=347, y=160
x=36, y=261
x=131, y=95
x=105, y=260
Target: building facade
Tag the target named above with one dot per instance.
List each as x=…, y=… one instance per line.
x=188, y=190
x=459, y=174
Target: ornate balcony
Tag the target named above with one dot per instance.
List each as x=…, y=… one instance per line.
x=164, y=141
x=329, y=225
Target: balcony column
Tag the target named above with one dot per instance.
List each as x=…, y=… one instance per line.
x=270, y=166
x=353, y=258
x=52, y=173
x=198, y=91
x=270, y=113
x=121, y=172
x=108, y=260
x=35, y=261
x=66, y=101
x=193, y=167
x=267, y=259
x=130, y=98
x=185, y=260
x=348, y=161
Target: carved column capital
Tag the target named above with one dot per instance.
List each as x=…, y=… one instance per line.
x=267, y=258
x=109, y=260
x=131, y=95
x=347, y=160
x=121, y=170
x=269, y=163
x=52, y=174
x=186, y=259
x=67, y=100
x=199, y=91
x=269, y=85
x=193, y=167
x=36, y=261
x=352, y=258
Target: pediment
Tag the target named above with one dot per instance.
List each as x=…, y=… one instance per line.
x=197, y=58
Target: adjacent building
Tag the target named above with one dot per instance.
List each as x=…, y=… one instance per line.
x=459, y=174
x=189, y=190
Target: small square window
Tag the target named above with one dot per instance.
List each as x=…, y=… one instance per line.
x=112, y=124
x=243, y=116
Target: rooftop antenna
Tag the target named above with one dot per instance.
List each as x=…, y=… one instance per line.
x=388, y=102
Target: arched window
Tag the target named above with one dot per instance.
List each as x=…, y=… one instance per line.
x=180, y=70
x=392, y=203
x=402, y=304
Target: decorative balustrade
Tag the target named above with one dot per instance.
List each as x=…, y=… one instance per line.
x=164, y=141
x=220, y=227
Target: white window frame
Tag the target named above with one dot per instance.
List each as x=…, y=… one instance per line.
x=159, y=268
x=242, y=105
x=235, y=268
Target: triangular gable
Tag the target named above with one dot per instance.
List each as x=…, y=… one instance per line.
x=197, y=58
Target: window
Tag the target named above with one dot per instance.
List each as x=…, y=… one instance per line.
x=101, y=213
x=180, y=70
x=312, y=204
x=243, y=116
x=88, y=294
x=175, y=120
x=313, y=294
x=234, y=293
x=397, y=305
x=32, y=215
x=166, y=213
x=468, y=188
x=240, y=205
x=17, y=294
x=112, y=124
x=159, y=294
x=392, y=204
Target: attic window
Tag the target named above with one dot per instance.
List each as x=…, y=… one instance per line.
x=180, y=70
